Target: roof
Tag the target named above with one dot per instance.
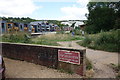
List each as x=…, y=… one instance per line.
x=36, y=22
x=2, y=21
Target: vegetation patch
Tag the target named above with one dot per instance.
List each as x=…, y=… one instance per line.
x=66, y=71
x=88, y=64
x=107, y=41
x=89, y=69
x=19, y=37
x=47, y=39
x=52, y=39
x=116, y=69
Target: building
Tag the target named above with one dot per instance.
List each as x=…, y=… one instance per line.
x=16, y=26
x=82, y=26
x=34, y=27
x=42, y=26
x=21, y=27
x=9, y=26
x=2, y=26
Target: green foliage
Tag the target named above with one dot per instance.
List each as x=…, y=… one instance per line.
x=103, y=21
x=102, y=17
x=48, y=39
x=117, y=23
x=18, y=20
x=16, y=38
x=70, y=72
x=107, y=41
x=60, y=32
x=88, y=64
x=66, y=71
x=77, y=32
x=87, y=41
x=45, y=42
x=54, y=22
x=52, y=39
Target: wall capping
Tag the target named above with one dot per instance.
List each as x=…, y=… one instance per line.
x=83, y=49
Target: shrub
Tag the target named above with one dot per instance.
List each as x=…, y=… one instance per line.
x=107, y=41
x=47, y=39
x=87, y=41
x=88, y=64
x=60, y=32
x=17, y=38
x=77, y=32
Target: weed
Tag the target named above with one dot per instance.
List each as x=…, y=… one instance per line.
x=88, y=64
x=116, y=69
x=52, y=39
x=66, y=71
x=107, y=41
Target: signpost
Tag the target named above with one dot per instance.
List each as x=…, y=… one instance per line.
x=69, y=56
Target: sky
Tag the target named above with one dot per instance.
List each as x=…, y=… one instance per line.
x=45, y=9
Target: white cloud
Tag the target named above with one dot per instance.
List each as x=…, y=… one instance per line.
x=55, y=0
x=83, y=3
x=74, y=13
x=17, y=8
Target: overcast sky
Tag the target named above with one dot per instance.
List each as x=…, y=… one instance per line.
x=45, y=9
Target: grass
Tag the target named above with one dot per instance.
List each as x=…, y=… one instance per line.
x=88, y=65
x=66, y=71
x=19, y=37
x=107, y=41
x=0, y=38
x=89, y=69
x=52, y=39
x=47, y=39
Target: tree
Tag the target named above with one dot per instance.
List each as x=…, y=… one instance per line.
x=102, y=16
x=18, y=20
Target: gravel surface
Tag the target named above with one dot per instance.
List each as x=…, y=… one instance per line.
x=23, y=69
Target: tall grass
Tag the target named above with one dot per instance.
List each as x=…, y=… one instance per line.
x=107, y=41
x=52, y=39
x=19, y=37
x=47, y=39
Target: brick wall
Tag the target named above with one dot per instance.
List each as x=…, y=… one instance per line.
x=43, y=55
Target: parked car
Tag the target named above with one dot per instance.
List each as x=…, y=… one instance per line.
x=2, y=68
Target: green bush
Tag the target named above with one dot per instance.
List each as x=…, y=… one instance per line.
x=107, y=41
x=77, y=32
x=88, y=64
x=52, y=39
x=60, y=32
x=16, y=38
x=45, y=42
x=87, y=41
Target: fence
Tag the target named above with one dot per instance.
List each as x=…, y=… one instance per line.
x=50, y=56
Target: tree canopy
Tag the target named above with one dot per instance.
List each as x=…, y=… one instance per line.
x=103, y=16
x=18, y=20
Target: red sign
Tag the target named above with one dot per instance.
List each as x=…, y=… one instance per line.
x=69, y=56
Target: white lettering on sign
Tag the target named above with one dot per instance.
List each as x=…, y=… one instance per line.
x=69, y=56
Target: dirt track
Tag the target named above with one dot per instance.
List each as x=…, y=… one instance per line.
x=100, y=60
x=23, y=69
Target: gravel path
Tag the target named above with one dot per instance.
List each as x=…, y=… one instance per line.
x=100, y=60
x=23, y=69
